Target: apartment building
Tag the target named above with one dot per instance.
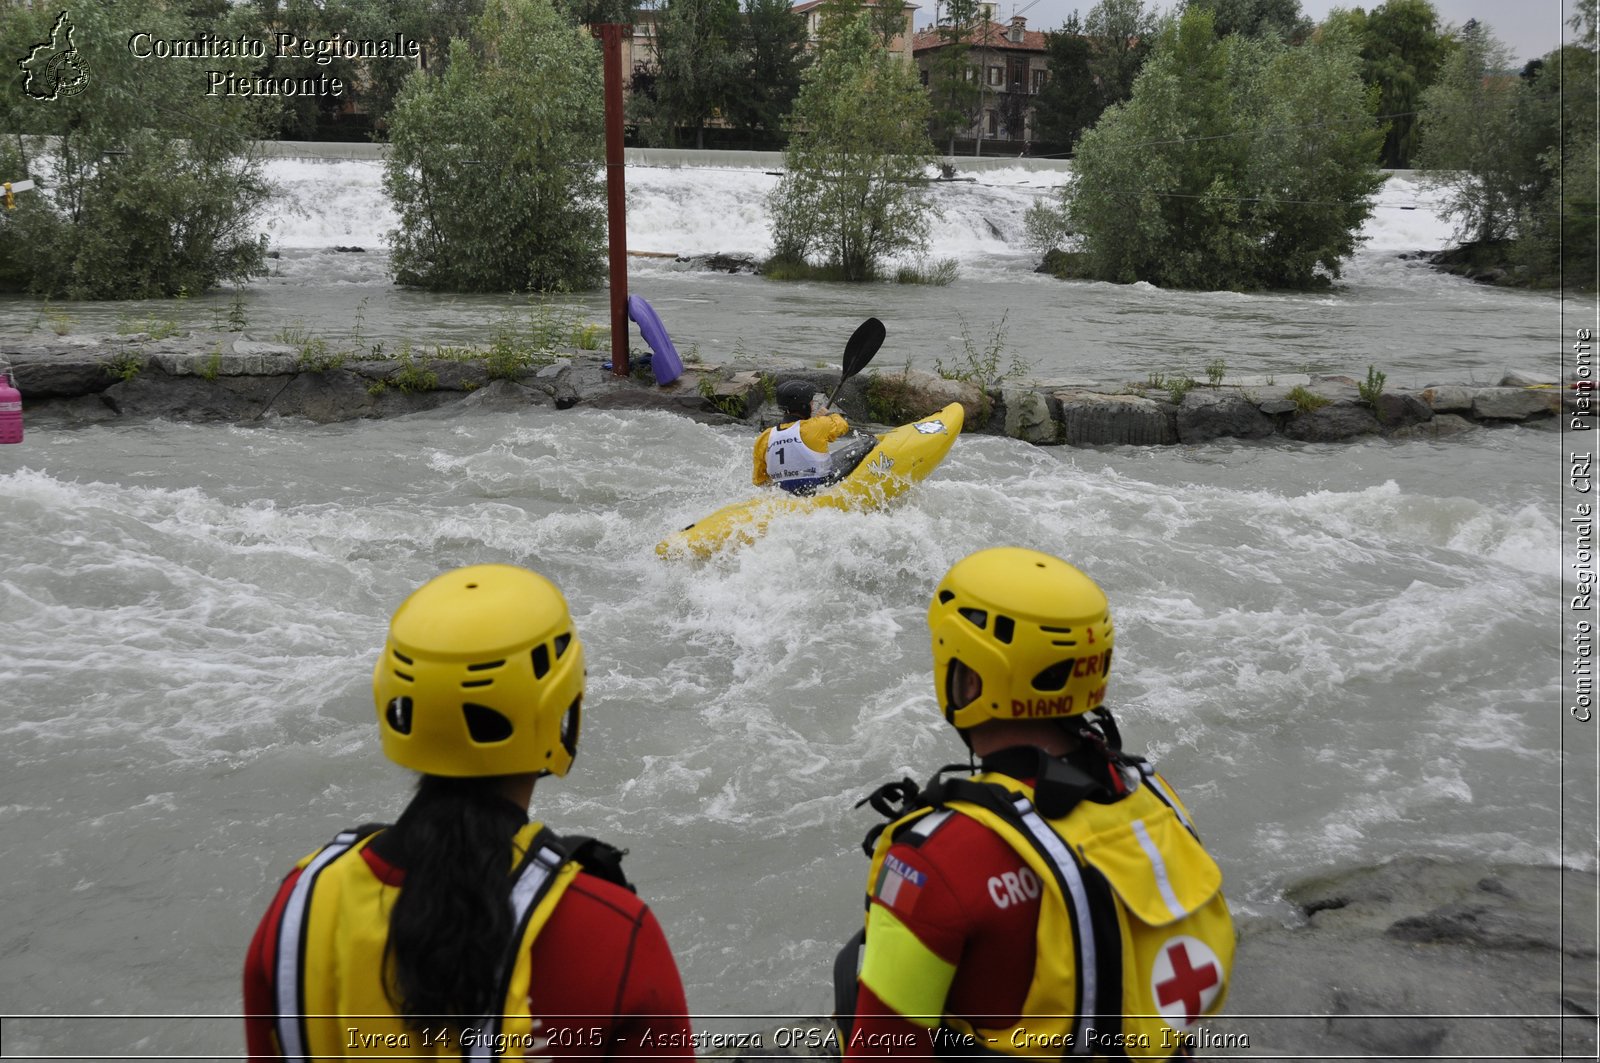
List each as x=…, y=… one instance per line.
x=1010, y=64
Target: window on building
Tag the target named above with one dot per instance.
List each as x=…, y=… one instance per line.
x=997, y=76
x=994, y=123
x=1039, y=78
x=925, y=78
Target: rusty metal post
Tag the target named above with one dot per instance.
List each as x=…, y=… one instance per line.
x=611, y=34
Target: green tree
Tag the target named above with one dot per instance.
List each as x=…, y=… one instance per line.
x=433, y=24
x=776, y=60
x=495, y=166
x=301, y=116
x=1516, y=156
x=1070, y=100
x=1556, y=240
x=1402, y=49
x=954, y=91
x=1469, y=118
x=1281, y=19
x=1089, y=73
x=852, y=193
x=698, y=64
x=1238, y=163
x=148, y=187
x=1121, y=32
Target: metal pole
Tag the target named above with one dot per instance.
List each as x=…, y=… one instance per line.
x=611, y=34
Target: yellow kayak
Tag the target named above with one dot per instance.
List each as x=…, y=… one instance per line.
x=902, y=456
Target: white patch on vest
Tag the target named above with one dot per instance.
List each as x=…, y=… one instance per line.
x=1013, y=887
x=1185, y=980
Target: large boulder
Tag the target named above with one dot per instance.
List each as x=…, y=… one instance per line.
x=1515, y=404
x=1333, y=423
x=1206, y=415
x=1029, y=416
x=1448, y=398
x=153, y=394
x=903, y=396
x=1092, y=419
x=1421, y=957
x=220, y=362
x=1397, y=410
x=740, y=395
x=60, y=377
x=327, y=397
x=1440, y=426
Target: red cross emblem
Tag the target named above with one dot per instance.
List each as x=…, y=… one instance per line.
x=1186, y=978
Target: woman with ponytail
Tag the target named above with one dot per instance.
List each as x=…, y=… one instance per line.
x=465, y=931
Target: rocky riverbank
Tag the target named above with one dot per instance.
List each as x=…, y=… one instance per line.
x=221, y=376
x=1413, y=958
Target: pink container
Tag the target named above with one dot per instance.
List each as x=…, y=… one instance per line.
x=10, y=411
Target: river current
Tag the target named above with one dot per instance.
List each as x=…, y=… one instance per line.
x=1336, y=653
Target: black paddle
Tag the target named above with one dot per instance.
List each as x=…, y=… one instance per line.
x=858, y=351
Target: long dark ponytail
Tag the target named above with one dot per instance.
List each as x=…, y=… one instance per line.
x=448, y=930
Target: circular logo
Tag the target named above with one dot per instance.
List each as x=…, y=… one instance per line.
x=1185, y=980
x=65, y=73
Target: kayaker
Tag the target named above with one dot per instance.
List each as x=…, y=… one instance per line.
x=1058, y=901
x=464, y=927
x=794, y=455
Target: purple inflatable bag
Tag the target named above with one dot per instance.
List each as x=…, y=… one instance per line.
x=664, y=360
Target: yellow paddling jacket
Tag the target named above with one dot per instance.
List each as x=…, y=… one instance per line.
x=328, y=969
x=1134, y=941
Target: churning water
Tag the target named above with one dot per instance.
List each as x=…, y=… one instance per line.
x=1337, y=653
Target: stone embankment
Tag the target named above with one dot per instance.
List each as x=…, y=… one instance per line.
x=73, y=380
x=1416, y=958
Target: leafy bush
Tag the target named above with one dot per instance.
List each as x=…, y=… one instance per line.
x=146, y=187
x=889, y=398
x=1306, y=401
x=938, y=274
x=982, y=366
x=495, y=167
x=1237, y=164
x=1506, y=150
x=1373, y=387
x=852, y=193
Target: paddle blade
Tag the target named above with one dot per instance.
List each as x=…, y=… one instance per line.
x=858, y=351
x=861, y=346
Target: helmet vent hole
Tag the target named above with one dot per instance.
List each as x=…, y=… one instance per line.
x=402, y=658
x=541, y=661
x=467, y=683
x=945, y=596
x=978, y=617
x=484, y=666
x=398, y=714
x=484, y=724
x=1055, y=677
x=561, y=643
x=401, y=675
x=570, y=724
x=1004, y=628
x=1055, y=630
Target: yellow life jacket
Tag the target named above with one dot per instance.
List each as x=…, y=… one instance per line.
x=1134, y=943
x=328, y=980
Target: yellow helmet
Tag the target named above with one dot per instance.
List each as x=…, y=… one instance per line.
x=482, y=674
x=1036, y=631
